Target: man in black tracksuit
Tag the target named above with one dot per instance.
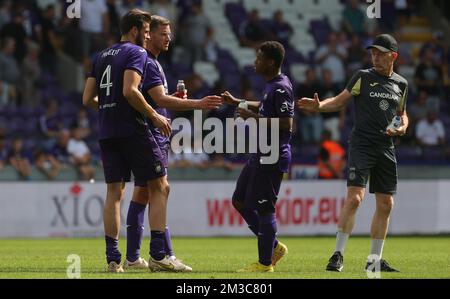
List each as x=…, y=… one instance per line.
x=380, y=96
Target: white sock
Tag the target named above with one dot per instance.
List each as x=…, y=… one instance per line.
x=376, y=247
x=341, y=241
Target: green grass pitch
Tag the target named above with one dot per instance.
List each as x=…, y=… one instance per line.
x=416, y=257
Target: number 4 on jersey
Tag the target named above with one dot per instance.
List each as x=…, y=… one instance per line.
x=108, y=84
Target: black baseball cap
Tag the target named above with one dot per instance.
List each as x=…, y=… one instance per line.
x=384, y=43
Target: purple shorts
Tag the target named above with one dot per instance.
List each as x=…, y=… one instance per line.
x=258, y=186
x=138, y=154
x=164, y=159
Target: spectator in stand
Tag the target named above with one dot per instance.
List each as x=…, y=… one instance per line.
x=309, y=123
x=10, y=71
x=356, y=54
x=429, y=77
x=430, y=132
x=388, y=17
x=80, y=155
x=5, y=12
x=333, y=122
x=50, y=125
x=353, y=18
x=59, y=150
x=16, y=30
x=47, y=164
x=419, y=108
x=113, y=18
x=8, y=94
x=94, y=26
x=251, y=32
x=30, y=75
x=82, y=123
x=47, y=39
x=332, y=56
x=196, y=36
x=331, y=161
x=437, y=46
x=20, y=159
x=281, y=30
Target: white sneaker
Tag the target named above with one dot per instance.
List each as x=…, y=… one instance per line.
x=113, y=267
x=140, y=263
x=168, y=264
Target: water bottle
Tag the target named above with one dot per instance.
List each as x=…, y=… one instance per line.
x=395, y=124
x=181, y=89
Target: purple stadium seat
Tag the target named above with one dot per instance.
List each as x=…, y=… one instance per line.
x=31, y=126
x=407, y=153
x=433, y=154
x=16, y=126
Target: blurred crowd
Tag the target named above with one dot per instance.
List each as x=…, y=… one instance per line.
x=35, y=33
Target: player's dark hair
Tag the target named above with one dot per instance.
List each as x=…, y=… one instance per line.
x=273, y=50
x=134, y=18
x=158, y=21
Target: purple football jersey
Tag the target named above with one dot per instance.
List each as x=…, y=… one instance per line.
x=117, y=118
x=154, y=76
x=278, y=102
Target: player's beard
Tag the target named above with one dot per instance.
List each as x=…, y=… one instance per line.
x=140, y=41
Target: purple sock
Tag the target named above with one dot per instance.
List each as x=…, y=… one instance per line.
x=252, y=219
x=168, y=242
x=266, y=238
x=135, y=230
x=157, y=248
x=112, y=250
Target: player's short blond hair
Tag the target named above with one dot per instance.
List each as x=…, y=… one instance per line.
x=158, y=21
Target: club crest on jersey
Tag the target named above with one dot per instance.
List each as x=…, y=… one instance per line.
x=384, y=105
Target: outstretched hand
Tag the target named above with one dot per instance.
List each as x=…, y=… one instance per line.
x=308, y=104
x=211, y=102
x=229, y=99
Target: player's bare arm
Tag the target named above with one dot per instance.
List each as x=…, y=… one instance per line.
x=175, y=103
x=329, y=105
x=131, y=92
x=90, y=94
x=229, y=99
x=285, y=123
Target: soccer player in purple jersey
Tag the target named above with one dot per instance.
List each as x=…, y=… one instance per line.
x=258, y=185
x=155, y=91
x=126, y=143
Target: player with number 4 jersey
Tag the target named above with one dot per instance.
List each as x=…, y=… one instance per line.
x=126, y=143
